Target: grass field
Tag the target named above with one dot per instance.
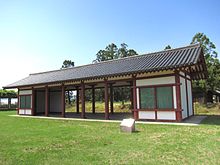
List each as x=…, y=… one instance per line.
x=42, y=141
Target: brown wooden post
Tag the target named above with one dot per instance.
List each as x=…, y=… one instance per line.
x=111, y=99
x=135, y=98
x=63, y=101
x=193, y=110
x=178, y=99
x=93, y=98
x=9, y=102
x=83, y=99
x=77, y=100
x=46, y=101
x=106, y=100
x=33, y=102
x=18, y=106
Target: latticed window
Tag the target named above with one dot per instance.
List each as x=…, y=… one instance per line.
x=156, y=98
x=25, y=102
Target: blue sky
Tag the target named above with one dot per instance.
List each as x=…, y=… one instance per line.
x=39, y=35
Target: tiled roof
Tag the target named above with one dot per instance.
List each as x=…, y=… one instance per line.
x=184, y=57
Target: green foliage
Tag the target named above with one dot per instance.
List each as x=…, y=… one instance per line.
x=7, y=93
x=167, y=47
x=213, y=65
x=67, y=64
x=113, y=52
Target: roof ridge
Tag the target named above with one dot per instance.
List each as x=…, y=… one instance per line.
x=119, y=59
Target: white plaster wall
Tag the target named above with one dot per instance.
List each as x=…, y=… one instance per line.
x=174, y=97
x=147, y=115
x=156, y=81
x=28, y=111
x=24, y=111
x=25, y=92
x=40, y=102
x=21, y=112
x=190, y=101
x=183, y=97
x=55, y=101
x=166, y=115
x=138, y=101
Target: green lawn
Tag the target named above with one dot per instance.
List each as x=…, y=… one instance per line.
x=41, y=141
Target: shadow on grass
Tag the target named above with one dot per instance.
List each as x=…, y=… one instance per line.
x=212, y=120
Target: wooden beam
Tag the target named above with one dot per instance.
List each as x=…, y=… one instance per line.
x=111, y=99
x=93, y=99
x=178, y=99
x=46, y=101
x=77, y=100
x=33, y=111
x=106, y=100
x=135, y=98
x=63, y=101
x=83, y=99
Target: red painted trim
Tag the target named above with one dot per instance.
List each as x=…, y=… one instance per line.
x=135, y=98
x=63, y=101
x=18, y=102
x=162, y=110
x=111, y=99
x=193, y=112
x=77, y=100
x=33, y=102
x=83, y=99
x=46, y=101
x=106, y=101
x=178, y=99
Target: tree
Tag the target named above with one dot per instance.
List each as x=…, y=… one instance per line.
x=67, y=64
x=167, y=47
x=213, y=65
x=113, y=52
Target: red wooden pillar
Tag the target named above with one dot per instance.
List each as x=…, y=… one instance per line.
x=77, y=100
x=192, y=99
x=46, y=101
x=111, y=99
x=18, y=106
x=106, y=101
x=93, y=99
x=178, y=99
x=135, y=98
x=33, y=102
x=63, y=101
x=83, y=99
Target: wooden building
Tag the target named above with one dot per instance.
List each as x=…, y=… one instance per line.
x=160, y=82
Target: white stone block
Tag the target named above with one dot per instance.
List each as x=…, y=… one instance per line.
x=127, y=125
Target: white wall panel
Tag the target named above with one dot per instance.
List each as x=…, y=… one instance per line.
x=156, y=81
x=183, y=97
x=21, y=111
x=147, y=115
x=190, y=97
x=28, y=112
x=138, y=101
x=174, y=97
x=25, y=92
x=166, y=115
